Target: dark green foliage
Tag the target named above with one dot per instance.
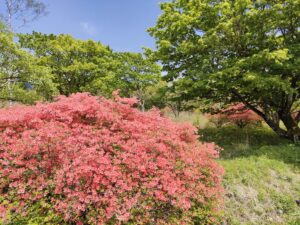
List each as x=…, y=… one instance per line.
x=235, y=51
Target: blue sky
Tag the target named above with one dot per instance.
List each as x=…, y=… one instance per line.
x=121, y=24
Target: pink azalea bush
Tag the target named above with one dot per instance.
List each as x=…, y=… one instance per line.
x=97, y=161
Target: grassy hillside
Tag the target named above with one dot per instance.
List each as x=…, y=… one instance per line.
x=262, y=180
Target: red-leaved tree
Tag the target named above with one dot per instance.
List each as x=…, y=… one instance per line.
x=98, y=161
x=238, y=114
x=241, y=115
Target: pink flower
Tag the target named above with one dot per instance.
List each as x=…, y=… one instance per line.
x=100, y=159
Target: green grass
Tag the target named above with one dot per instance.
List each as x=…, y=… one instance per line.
x=262, y=178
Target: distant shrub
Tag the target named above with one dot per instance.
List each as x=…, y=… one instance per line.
x=96, y=161
x=238, y=114
x=241, y=115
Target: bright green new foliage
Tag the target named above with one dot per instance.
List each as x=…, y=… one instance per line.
x=80, y=66
x=76, y=65
x=21, y=78
x=137, y=74
x=236, y=51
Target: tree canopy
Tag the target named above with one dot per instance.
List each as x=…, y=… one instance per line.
x=137, y=74
x=22, y=79
x=89, y=66
x=236, y=51
x=77, y=65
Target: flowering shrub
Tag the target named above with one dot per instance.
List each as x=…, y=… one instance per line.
x=98, y=161
x=238, y=114
x=241, y=115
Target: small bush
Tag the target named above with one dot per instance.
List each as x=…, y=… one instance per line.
x=237, y=114
x=96, y=161
x=241, y=115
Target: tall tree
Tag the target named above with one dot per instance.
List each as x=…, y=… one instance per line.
x=80, y=66
x=236, y=51
x=137, y=73
x=22, y=79
x=20, y=12
x=76, y=65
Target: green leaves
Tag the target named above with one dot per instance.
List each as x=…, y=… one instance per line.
x=250, y=48
x=75, y=64
x=88, y=66
x=21, y=77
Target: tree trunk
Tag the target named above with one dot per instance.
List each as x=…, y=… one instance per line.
x=293, y=130
x=142, y=105
x=275, y=127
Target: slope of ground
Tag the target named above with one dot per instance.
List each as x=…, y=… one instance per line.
x=262, y=180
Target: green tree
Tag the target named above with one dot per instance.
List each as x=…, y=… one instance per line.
x=137, y=74
x=178, y=97
x=77, y=65
x=21, y=78
x=236, y=51
x=89, y=66
x=156, y=95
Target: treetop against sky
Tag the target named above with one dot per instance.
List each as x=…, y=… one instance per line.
x=118, y=23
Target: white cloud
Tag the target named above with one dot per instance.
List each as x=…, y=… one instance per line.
x=88, y=28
